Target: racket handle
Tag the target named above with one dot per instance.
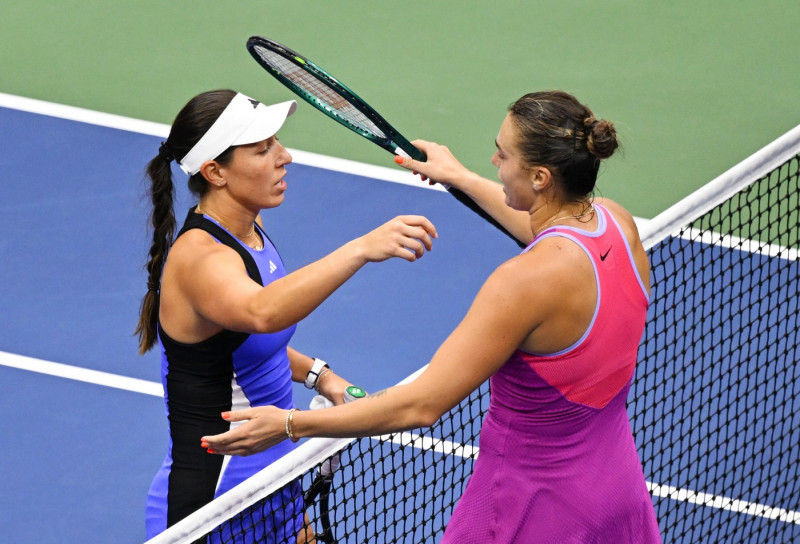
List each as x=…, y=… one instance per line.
x=416, y=154
x=351, y=393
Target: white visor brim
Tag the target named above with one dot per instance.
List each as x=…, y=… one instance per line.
x=244, y=121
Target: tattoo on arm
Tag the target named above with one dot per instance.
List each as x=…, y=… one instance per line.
x=377, y=395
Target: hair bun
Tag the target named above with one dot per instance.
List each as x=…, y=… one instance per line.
x=601, y=137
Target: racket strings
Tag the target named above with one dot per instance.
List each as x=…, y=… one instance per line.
x=319, y=91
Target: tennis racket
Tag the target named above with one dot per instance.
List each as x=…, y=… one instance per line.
x=321, y=486
x=334, y=99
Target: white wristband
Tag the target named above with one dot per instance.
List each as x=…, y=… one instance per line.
x=314, y=373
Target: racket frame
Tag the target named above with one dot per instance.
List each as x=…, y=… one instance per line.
x=393, y=139
x=394, y=142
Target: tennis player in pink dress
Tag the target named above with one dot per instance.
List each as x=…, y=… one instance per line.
x=557, y=459
x=556, y=330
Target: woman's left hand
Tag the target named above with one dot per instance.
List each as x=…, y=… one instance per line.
x=263, y=427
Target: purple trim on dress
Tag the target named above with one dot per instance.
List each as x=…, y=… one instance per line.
x=630, y=258
x=596, y=307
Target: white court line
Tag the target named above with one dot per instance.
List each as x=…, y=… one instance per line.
x=742, y=244
x=428, y=443
x=724, y=503
x=81, y=374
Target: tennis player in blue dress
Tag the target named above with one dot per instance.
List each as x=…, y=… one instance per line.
x=222, y=307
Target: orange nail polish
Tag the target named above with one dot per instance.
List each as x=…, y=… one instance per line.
x=398, y=159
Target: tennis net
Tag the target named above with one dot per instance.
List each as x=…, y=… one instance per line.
x=714, y=404
x=715, y=407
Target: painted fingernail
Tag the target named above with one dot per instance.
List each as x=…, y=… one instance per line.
x=210, y=451
x=398, y=159
x=226, y=415
x=204, y=444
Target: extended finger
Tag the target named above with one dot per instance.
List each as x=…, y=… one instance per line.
x=409, y=164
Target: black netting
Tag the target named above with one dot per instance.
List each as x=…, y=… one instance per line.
x=715, y=406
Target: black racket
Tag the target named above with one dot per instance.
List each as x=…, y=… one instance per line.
x=323, y=481
x=334, y=99
x=321, y=487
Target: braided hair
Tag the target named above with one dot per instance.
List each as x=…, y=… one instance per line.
x=194, y=119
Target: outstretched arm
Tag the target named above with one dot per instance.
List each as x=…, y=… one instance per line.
x=497, y=322
x=215, y=283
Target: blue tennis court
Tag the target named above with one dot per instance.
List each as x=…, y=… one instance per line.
x=83, y=446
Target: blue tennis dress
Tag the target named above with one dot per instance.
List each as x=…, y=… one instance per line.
x=229, y=371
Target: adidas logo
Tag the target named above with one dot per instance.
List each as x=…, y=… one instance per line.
x=272, y=266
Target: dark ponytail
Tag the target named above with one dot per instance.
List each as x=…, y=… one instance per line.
x=162, y=194
x=191, y=123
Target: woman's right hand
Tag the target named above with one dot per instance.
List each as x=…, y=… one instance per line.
x=405, y=236
x=441, y=165
x=262, y=427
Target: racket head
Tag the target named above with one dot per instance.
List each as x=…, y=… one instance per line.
x=337, y=101
x=327, y=94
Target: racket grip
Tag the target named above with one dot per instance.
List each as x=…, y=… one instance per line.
x=416, y=154
x=329, y=466
x=351, y=393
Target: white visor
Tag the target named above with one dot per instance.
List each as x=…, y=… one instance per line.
x=244, y=121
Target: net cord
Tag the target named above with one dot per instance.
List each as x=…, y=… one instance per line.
x=262, y=484
x=720, y=189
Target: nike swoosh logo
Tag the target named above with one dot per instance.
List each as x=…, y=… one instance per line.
x=604, y=255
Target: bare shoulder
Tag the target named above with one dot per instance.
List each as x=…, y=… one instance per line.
x=621, y=214
x=195, y=250
x=623, y=217
x=548, y=266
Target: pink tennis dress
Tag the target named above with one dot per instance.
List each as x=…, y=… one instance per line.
x=557, y=461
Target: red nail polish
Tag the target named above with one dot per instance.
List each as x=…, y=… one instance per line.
x=398, y=159
x=210, y=451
